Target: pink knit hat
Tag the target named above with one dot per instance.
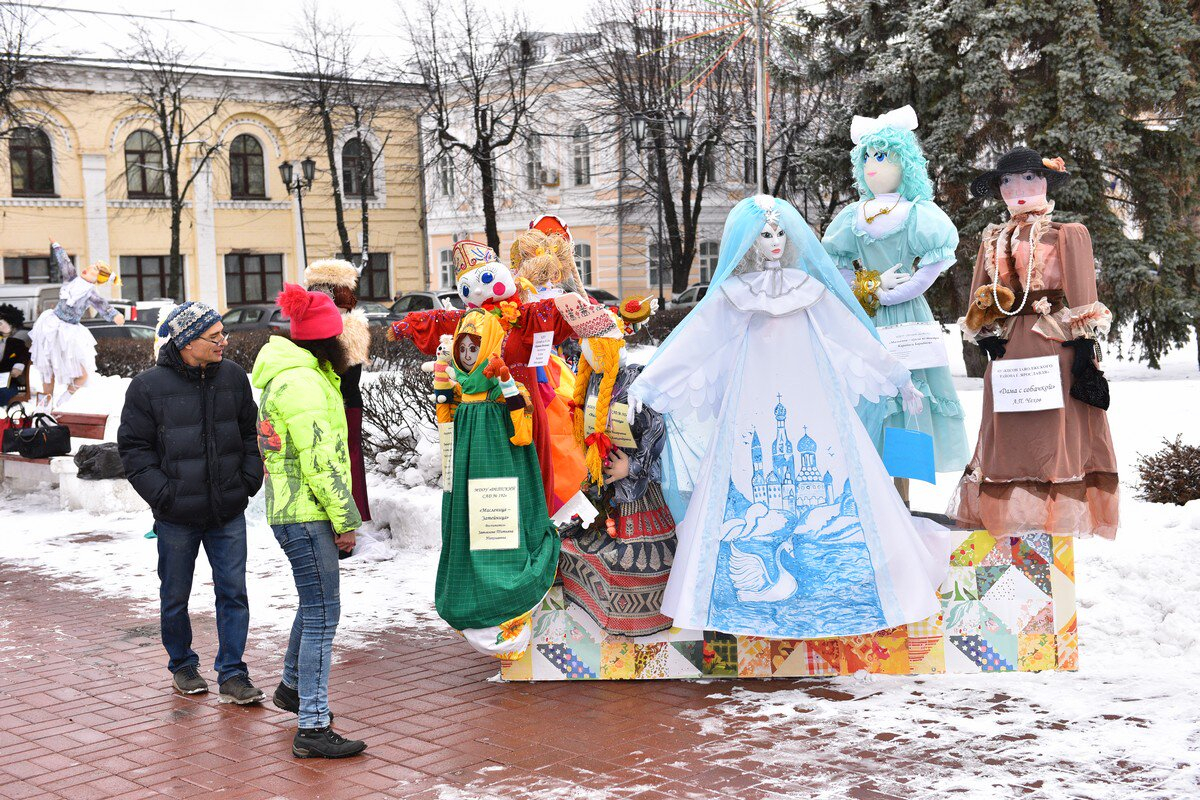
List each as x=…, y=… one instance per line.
x=313, y=314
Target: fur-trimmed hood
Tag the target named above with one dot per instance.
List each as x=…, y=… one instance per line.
x=356, y=336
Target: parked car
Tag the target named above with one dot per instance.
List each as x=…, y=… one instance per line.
x=108, y=330
x=149, y=312
x=377, y=313
x=602, y=296
x=689, y=296
x=259, y=317
x=425, y=301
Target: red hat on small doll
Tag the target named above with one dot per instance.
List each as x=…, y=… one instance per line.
x=549, y=224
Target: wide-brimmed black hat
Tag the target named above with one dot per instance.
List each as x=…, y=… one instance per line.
x=1016, y=161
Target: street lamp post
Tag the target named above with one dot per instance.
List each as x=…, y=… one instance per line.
x=299, y=184
x=638, y=126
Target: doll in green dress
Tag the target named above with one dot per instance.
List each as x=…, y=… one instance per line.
x=891, y=245
x=487, y=586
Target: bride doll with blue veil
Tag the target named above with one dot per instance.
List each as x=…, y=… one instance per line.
x=771, y=389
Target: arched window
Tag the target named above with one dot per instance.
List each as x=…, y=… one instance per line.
x=247, y=177
x=32, y=162
x=581, y=156
x=358, y=169
x=143, y=165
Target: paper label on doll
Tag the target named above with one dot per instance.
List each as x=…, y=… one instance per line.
x=586, y=320
x=543, y=343
x=5, y=379
x=1026, y=384
x=493, y=510
x=916, y=345
x=446, y=438
x=618, y=431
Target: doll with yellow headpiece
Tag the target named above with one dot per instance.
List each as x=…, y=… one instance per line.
x=63, y=350
x=487, y=589
x=617, y=569
x=484, y=283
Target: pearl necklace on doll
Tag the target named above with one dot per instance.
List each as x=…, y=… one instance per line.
x=1034, y=240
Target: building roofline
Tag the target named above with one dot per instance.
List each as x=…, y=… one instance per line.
x=127, y=65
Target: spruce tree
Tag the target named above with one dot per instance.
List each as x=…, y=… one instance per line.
x=1110, y=85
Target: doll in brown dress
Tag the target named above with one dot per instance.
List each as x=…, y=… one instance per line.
x=1050, y=470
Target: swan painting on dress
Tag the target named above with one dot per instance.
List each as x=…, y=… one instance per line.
x=786, y=531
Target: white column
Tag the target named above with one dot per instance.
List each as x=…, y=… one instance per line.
x=206, y=237
x=95, y=207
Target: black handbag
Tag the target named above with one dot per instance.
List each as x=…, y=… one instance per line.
x=1091, y=387
x=16, y=419
x=1088, y=384
x=44, y=439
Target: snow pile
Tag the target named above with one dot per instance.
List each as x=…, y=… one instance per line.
x=109, y=555
x=1126, y=721
x=1124, y=725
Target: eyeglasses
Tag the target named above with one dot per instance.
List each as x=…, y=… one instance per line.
x=221, y=339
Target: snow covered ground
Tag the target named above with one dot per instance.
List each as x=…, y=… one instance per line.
x=1130, y=708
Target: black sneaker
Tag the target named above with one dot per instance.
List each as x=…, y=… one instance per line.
x=240, y=691
x=288, y=699
x=324, y=743
x=187, y=680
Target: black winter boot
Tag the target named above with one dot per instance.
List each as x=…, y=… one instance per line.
x=324, y=743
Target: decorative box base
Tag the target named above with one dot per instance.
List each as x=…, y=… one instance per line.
x=1008, y=605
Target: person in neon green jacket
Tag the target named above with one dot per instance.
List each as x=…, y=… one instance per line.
x=302, y=436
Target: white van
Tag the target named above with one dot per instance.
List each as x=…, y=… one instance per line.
x=31, y=298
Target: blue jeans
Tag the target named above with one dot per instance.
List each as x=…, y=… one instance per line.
x=314, y=556
x=178, y=546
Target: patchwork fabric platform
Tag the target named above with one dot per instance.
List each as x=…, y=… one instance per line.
x=1008, y=605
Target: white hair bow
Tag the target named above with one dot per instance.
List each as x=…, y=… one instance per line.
x=903, y=118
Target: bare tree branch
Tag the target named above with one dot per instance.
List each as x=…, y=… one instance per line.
x=481, y=87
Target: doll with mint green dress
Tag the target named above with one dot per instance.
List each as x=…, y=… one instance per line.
x=895, y=229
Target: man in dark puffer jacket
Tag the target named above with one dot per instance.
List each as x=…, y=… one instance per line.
x=189, y=446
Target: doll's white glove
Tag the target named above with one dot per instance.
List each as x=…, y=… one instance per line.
x=635, y=408
x=893, y=278
x=912, y=399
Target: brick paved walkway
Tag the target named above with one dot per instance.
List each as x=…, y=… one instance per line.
x=86, y=711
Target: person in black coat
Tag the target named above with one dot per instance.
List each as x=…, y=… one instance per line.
x=14, y=354
x=189, y=445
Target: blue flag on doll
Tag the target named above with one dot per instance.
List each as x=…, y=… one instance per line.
x=908, y=454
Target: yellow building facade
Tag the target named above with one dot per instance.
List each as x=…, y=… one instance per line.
x=83, y=172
